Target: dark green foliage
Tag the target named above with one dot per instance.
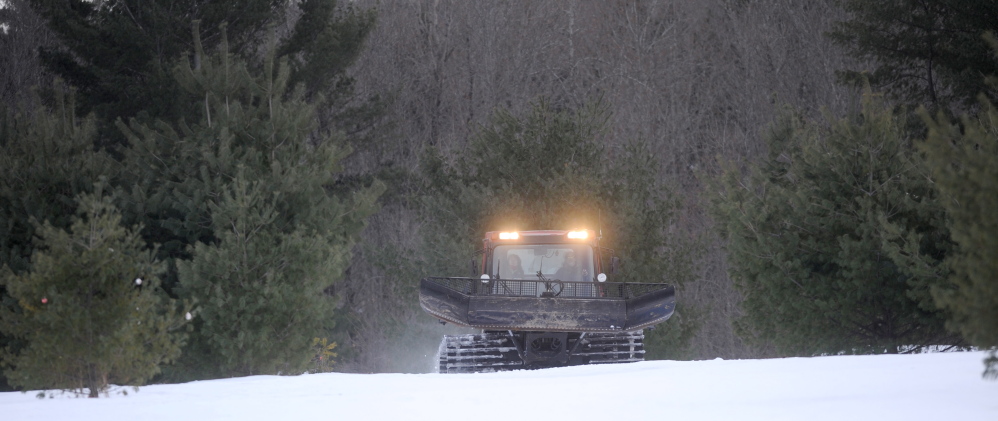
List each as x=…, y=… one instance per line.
x=924, y=51
x=261, y=288
x=249, y=183
x=813, y=236
x=48, y=158
x=324, y=43
x=547, y=169
x=964, y=163
x=120, y=53
x=90, y=309
x=207, y=148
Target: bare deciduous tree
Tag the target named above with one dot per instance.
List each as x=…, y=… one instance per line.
x=698, y=80
x=22, y=32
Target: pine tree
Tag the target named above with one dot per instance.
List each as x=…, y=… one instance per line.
x=90, y=310
x=249, y=184
x=964, y=163
x=924, y=52
x=48, y=159
x=120, y=53
x=809, y=240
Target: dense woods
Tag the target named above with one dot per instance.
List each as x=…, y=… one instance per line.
x=815, y=177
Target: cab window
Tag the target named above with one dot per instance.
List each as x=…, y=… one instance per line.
x=566, y=262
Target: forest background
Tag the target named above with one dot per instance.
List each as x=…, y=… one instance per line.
x=406, y=117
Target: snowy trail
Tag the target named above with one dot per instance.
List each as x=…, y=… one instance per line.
x=883, y=387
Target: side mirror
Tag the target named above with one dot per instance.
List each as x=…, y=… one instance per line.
x=474, y=268
x=614, y=264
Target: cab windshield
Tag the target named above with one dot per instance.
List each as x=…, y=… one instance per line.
x=565, y=262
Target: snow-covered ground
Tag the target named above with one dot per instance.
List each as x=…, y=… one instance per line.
x=941, y=386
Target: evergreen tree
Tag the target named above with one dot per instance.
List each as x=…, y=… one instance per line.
x=812, y=237
x=120, y=53
x=924, y=52
x=964, y=163
x=548, y=169
x=250, y=183
x=90, y=310
x=48, y=159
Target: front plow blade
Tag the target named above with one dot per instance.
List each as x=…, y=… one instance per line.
x=547, y=305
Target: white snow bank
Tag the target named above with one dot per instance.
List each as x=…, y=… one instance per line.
x=881, y=387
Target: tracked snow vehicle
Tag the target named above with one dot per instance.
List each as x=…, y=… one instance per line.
x=542, y=300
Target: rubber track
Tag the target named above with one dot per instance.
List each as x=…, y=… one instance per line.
x=495, y=351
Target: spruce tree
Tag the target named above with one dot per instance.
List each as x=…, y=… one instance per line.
x=250, y=185
x=808, y=237
x=90, y=309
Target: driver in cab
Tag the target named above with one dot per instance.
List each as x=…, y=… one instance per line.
x=569, y=270
x=515, y=268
